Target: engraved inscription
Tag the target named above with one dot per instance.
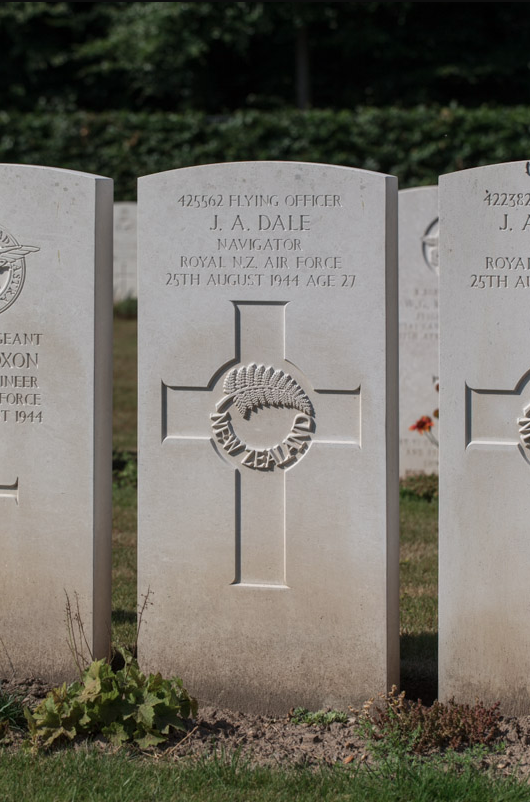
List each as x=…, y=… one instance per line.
x=20, y=393
x=250, y=245
x=517, y=218
x=420, y=318
x=510, y=199
x=488, y=282
x=12, y=268
x=254, y=387
x=507, y=263
x=502, y=272
x=509, y=214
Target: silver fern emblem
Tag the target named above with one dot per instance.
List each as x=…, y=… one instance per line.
x=254, y=386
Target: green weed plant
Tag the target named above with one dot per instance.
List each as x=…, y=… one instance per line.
x=405, y=726
x=126, y=309
x=320, y=718
x=11, y=713
x=419, y=485
x=124, y=706
x=124, y=468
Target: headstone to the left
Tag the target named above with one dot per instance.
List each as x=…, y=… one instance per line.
x=55, y=415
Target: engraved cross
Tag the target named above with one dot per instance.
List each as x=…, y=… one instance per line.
x=499, y=418
x=10, y=491
x=262, y=416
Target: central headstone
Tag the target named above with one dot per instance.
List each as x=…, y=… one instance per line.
x=268, y=432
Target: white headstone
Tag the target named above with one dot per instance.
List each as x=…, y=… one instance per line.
x=125, y=279
x=484, y=616
x=268, y=432
x=418, y=326
x=55, y=415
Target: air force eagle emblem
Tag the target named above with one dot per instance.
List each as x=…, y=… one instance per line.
x=12, y=268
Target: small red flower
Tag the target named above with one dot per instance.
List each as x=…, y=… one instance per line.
x=424, y=424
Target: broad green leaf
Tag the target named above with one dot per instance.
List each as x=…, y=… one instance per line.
x=166, y=718
x=116, y=733
x=150, y=739
x=32, y=725
x=124, y=705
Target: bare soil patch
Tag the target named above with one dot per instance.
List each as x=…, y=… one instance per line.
x=264, y=740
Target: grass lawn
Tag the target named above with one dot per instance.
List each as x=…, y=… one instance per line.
x=125, y=383
x=86, y=774
x=418, y=597
x=124, y=492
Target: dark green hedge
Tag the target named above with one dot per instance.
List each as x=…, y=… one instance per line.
x=416, y=144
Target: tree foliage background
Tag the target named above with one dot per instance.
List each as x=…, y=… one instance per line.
x=124, y=89
x=220, y=56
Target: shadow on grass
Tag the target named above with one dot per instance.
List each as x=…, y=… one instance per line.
x=419, y=666
x=123, y=617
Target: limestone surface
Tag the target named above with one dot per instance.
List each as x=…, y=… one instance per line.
x=125, y=267
x=268, y=443
x=55, y=415
x=484, y=457
x=418, y=327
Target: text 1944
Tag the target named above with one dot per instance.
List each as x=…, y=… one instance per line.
x=19, y=416
x=191, y=280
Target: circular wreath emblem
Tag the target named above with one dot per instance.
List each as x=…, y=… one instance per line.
x=430, y=243
x=253, y=387
x=12, y=268
x=524, y=427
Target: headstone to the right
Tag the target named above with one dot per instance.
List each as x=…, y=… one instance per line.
x=125, y=268
x=418, y=327
x=484, y=612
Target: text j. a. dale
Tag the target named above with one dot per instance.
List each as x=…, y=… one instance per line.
x=265, y=222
